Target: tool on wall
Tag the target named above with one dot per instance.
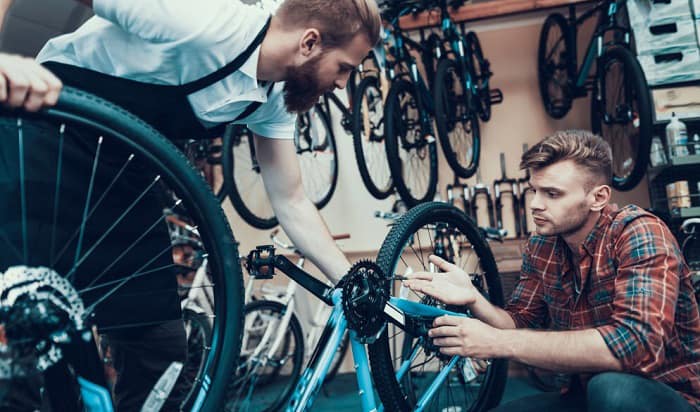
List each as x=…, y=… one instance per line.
x=480, y=189
x=509, y=187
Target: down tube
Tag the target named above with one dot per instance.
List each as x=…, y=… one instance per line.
x=313, y=376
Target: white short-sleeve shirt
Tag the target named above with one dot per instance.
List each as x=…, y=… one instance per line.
x=175, y=42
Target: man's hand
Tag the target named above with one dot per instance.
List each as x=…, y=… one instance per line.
x=453, y=287
x=466, y=337
x=25, y=83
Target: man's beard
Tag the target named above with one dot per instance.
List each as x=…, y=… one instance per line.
x=301, y=87
x=575, y=220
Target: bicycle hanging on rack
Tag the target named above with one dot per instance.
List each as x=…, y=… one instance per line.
x=318, y=160
x=620, y=103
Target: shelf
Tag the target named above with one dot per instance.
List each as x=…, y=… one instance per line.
x=483, y=10
x=690, y=160
x=685, y=212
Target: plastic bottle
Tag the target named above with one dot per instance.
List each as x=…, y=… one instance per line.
x=677, y=137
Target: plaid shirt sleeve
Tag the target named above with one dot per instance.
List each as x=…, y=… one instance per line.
x=527, y=306
x=646, y=287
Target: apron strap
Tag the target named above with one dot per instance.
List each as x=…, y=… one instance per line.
x=208, y=80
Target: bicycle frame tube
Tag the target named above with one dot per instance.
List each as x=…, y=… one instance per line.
x=315, y=373
x=605, y=11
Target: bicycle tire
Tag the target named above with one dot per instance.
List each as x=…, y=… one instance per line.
x=631, y=145
x=312, y=154
x=271, y=398
x=452, y=114
x=382, y=186
x=198, y=334
x=420, y=148
x=101, y=124
x=481, y=73
x=406, y=230
x=549, y=71
x=237, y=153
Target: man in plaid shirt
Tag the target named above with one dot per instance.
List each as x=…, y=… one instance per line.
x=609, y=285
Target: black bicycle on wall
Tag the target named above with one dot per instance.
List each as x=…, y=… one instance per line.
x=620, y=104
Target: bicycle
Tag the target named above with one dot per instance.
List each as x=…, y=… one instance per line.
x=275, y=344
x=318, y=160
x=408, y=371
x=458, y=96
x=368, y=121
x=462, y=95
x=96, y=164
x=690, y=247
x=620, y=104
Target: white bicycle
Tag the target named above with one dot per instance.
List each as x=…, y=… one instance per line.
x=275, y=343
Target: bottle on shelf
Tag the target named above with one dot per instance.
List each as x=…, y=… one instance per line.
x=696, y=144
x=677, y=137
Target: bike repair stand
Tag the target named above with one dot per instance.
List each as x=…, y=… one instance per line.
x=524, y=190
x=464, y=190
x=507, y=186
x=480, y=189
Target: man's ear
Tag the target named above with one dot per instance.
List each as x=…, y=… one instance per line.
x=310, y=42
x=601, y=197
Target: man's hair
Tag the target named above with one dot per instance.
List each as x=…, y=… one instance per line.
x=337, y=20
x=584, y=148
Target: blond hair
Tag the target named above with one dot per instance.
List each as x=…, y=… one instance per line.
x=337, y=20
x=583, y=147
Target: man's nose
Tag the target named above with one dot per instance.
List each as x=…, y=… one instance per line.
x=536, y=203
x=342, y=82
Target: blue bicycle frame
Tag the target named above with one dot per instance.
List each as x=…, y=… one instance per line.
x=596, y=47
x=396, y=310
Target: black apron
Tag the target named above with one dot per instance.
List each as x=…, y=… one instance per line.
x=148, y=299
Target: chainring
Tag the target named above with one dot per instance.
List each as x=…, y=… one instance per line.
x=364, y=297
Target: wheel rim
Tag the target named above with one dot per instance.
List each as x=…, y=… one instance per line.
x=418, y=242
x=247, y=179
x=317, y=156
x=414, y=147
x=554, y=73
x=619, y=119
x=264, y=380
x=460, y=124
x=372, y=138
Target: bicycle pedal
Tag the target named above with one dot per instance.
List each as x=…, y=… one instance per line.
x=495, y=96
x=260, y=262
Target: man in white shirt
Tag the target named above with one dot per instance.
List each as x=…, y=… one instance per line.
x=190, y=67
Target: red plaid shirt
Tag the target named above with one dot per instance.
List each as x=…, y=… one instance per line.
x=632, y=286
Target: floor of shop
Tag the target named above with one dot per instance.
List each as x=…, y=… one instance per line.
x=340, y=395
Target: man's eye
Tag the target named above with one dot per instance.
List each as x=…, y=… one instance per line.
x=553, y=194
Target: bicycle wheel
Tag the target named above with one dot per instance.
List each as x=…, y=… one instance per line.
x=481, y=69
x=457, y=126
x=435, y=228
x=83, y=188
x=198, y=333
x=318, y=155
x=368, y=138
x=411, y=151
x=243, y=180
x=266, y=377
x=553, y=68
x=621, y=114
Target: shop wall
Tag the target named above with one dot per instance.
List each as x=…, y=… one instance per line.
x=511, y=46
